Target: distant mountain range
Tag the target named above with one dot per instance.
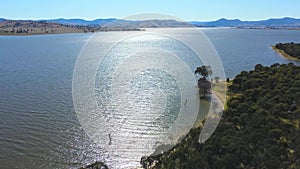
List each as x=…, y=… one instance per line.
x=113, y=22
x=281, y=22
x=81, y=21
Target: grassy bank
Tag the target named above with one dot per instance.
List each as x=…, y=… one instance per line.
x=220, y=89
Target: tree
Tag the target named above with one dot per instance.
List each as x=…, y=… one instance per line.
x=217, y=78
x=203, y=84
x=204, y=71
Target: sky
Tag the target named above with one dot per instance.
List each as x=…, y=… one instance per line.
x=189, y=10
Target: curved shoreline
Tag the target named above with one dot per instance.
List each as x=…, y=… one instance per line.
x=284, y=55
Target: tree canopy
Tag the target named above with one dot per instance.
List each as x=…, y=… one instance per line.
x=204, y=71
x=203, y=84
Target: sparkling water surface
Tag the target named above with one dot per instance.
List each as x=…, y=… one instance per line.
x=39, y=127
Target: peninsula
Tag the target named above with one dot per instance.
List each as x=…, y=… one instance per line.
x=290, y=51
x=259, y=129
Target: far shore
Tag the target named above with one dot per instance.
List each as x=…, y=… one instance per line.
x=34, y=34
x=2, y=33
x=284, y=55
x=71, y=31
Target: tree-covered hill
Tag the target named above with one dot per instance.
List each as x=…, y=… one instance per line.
x=260, y=128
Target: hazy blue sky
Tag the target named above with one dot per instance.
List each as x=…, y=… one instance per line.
x=201, y=10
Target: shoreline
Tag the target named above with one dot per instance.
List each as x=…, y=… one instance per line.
x=36, y=34
x=221, y=91
x=283, y=54
x=68, y=32
x=2, y=33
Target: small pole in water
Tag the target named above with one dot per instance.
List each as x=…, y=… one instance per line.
x=185, y=102
x=109, y=136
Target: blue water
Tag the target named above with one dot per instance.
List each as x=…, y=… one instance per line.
x=38, y=124
x=242, y=49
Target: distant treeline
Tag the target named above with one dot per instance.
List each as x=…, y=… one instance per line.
x=27, y=27
x=259, y=129
x=292, y=49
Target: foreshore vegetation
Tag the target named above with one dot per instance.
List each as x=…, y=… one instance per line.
x=288, y=50
x=259, y=129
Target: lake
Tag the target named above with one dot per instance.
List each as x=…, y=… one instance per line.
x=38, y=122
